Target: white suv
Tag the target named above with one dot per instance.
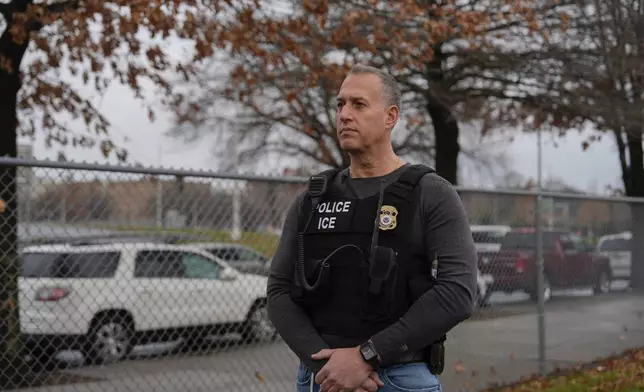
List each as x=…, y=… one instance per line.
x=617, y=247
x=487, y=241
x=104, y=299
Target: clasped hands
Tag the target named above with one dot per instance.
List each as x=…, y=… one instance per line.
x=346, y=371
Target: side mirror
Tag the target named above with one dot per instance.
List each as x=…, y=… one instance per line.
x=228, y=274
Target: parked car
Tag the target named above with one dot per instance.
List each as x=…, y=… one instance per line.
x=568, y=263
x=104, y=299
x=241, y=257
x=487, y=241
x=488, y=238
x=617, y=247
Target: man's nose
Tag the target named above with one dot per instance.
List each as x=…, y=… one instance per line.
x=345, y=114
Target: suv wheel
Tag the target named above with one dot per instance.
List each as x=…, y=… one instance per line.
x=109, y=340
x=258, y=326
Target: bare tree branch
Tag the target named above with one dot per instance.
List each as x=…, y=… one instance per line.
x=288, y=68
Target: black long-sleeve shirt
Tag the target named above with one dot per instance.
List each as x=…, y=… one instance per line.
x=440, y=227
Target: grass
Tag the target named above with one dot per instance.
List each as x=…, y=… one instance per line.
x=622, y=373
x=263, y=242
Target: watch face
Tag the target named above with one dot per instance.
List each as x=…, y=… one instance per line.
x=368, y=352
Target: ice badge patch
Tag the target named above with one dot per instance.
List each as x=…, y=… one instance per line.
x=388, y=216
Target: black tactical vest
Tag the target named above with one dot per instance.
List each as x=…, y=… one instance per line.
x=351, y=295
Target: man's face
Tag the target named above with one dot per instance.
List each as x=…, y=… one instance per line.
x=362, y=117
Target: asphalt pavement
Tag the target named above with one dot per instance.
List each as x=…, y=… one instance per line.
x=578, y=330
x=498, y=345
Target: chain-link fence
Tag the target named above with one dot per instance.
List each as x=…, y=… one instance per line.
x=587, y=258
x=141, y=279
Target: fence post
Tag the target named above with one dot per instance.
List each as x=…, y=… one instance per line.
x=541, y=324
x=236, y=230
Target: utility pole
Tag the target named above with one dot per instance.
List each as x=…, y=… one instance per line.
x=237, y=193
x=541, y=325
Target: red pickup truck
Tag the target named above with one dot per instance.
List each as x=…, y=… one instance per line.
x=568, y=263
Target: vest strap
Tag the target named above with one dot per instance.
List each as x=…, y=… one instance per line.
x=401, y=188
x=408, y=180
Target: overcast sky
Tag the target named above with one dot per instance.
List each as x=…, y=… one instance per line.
x=591, y=170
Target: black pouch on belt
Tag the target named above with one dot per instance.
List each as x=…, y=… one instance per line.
x=434, y=355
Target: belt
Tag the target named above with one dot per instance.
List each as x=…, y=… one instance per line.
x=408, y=357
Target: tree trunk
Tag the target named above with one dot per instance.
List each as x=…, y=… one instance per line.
x=635, y=188
x=12, y=366
x=9, y=318
x=446, y=141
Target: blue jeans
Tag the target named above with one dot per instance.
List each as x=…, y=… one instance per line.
x=411, y=377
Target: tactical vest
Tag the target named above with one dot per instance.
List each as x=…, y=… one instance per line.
x=350, y=290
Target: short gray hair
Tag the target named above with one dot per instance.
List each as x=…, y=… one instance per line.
x=390, y=88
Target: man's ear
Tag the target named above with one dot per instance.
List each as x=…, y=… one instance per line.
x=392, y=116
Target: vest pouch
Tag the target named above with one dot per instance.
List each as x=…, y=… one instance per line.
x=381, y=286
x=336, y=313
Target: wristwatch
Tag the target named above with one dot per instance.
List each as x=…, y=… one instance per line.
x=369, y=354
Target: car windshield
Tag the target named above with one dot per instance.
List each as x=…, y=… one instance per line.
x=615, y=245
x=238, y=254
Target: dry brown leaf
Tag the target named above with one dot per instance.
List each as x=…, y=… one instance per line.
x=90, y=40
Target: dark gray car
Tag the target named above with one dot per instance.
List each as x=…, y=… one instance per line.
x=241, y=257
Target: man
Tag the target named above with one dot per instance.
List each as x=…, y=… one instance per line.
x=361, y=317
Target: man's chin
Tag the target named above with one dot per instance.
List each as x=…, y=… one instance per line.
x=350, y=147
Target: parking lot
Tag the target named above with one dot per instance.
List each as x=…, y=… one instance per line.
x=499, y=344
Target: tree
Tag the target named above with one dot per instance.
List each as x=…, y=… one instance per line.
x=593, y=73
x=99, y=42
x=448, y=57
x=198, y=202
x=606, y=84
x=87, y=201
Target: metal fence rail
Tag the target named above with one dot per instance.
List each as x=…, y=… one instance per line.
x=136, y=278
